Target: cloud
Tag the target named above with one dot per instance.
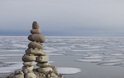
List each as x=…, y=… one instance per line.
x=64, y=16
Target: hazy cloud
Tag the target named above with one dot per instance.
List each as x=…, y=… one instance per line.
x=63, y=16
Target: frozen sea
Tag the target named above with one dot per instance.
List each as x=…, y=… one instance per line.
x=74, y=57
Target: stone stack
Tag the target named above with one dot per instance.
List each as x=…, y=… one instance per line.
x=35, y=53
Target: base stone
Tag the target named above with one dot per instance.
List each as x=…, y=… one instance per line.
x=35, y=74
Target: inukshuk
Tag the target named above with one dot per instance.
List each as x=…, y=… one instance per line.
x=35, y=53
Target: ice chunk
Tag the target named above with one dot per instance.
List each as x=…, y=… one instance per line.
x=68, y=70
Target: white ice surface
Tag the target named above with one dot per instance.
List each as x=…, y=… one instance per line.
x=89, y=60
x=10, y=55
x=68, y=70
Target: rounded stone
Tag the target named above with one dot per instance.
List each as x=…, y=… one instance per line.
x=19, y=76
x=42, y=59
x=35, y=31
x=35, y=25
x=27, y=69
x=28, y=63
x=35, y=51
x=36, y=37
x=44, y=70
x=28, y=58
x=53, y=75
x=43, y=64
x=30, y=75
x=35, y=45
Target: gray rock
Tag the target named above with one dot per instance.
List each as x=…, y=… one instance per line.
x=35, y=25
x=35, y=31
x=27, y=69
x=28, y=58
x=35, y=45
x=36, y=37
x=30, y=75
x=42, y=59
x=35, y=51
x=28, y=63
x=43, y=64
x=45, y=70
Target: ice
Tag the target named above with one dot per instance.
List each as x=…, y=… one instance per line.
x=20, y=45
x=89, y=60
x=112, y=60
x=15, y=50
x=110, y=64
x=68, y=70
x=117, y=54
x=2, y=58
x=98, y=50
x=54, y=54
x=10, y=68
x=94, y=56
x=10, y=55
x=50, y=49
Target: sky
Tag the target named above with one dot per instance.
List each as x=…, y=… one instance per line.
x=63, y=17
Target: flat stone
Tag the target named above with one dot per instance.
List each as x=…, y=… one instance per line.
x=35, y=51
x=36, y=37
x=28, y=58
x=28, y=63
x=35, y=45
x=42, y=59
x=43, y=65
x=35, y=31
x=44, y=70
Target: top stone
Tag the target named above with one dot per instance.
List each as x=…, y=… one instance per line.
x=35, y=25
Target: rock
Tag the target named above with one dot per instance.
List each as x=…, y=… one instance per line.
x=19, y=72
x=55, y=70
x=30, y=75
x=37, y=38
x=35, y=25
x=43, y=64
x=19, y=76
x=35, y=31
x=35, y=45
x=44, y=70
x=16, y=74
x=27, y=69
x=35, y=51
x=42, y=59
x=11, y=75
x=27, y=63
x=28, y=58
x=53, y=75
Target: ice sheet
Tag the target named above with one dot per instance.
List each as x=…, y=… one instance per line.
x=102, y=51
x=68, y=70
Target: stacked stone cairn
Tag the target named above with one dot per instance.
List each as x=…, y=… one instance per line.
x=35, y=53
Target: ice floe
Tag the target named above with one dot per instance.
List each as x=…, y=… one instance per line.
x=109, y=64
x=68, y=70
x=89, y=60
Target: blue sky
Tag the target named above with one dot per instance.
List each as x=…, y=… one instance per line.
x=63, y=17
